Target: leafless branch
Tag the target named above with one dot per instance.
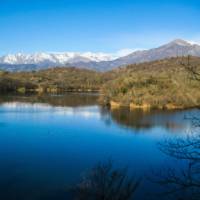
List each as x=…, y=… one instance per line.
x=106, y=183
x=191, y=69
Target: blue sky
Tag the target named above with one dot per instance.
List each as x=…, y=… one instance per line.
x=95, y=25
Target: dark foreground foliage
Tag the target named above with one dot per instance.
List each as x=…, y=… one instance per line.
x=106, y=183
x=183, y=183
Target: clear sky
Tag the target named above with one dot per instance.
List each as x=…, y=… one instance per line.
x=95, y=25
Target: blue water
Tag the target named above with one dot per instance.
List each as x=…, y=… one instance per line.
x=46, y=147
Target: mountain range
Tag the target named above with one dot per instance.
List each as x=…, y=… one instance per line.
x=96, y=61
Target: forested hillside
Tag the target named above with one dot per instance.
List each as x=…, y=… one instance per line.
x=159, y=84
x=51, y=80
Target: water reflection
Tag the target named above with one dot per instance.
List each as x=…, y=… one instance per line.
x=173, y=121
x=86, y=105
x=47, y=142
x=68, y=100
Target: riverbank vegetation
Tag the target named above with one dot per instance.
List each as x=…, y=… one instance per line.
x=160, y=84
x=170, y=83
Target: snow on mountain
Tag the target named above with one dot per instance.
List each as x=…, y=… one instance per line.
x=54, y=58
x=97, y=61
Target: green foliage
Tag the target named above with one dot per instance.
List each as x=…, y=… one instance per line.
x=21, y=90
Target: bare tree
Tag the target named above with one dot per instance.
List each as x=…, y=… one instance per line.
x=193, y=70
x=184, y=183
x=106, y=183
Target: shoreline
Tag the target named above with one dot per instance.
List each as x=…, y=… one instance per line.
x=147, y=107
x=111, y=104
x=40, y=91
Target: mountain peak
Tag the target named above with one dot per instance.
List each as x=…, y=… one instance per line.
x=98, y=61
x=180, y=42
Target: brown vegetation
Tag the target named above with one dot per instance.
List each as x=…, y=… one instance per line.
x=165, y=84
x=53, y=80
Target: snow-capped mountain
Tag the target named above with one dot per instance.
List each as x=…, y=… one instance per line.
x=174, y=48
x=96, y=61
x=54, y=58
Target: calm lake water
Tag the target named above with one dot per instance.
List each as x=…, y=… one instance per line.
x=48, y=142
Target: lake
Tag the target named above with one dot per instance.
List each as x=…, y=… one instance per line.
x=47, y=142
